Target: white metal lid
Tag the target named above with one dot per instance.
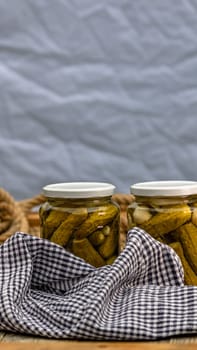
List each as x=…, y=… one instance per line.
x=78, y=190
x=164, y=188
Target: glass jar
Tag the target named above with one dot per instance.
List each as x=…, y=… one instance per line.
x=82, y=218
x=167, y=210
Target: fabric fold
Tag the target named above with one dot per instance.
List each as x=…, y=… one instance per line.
x=49, y=292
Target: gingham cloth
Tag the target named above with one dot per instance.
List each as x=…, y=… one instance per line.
x=49, y=292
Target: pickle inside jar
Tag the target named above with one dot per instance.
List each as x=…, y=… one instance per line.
x=82, y=231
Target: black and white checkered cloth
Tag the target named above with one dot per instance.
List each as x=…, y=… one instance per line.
x=49, y=292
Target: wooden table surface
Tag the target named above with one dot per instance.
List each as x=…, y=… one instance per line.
x=10, y=341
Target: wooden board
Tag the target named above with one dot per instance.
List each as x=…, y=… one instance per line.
x=95, y=346
x=11, y=341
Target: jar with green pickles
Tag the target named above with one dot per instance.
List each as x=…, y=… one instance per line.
x=82, y=218
x=167, y=210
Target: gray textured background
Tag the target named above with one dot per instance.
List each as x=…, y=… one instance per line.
x=98, y=91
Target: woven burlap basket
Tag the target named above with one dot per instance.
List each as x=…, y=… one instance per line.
x=23, y=215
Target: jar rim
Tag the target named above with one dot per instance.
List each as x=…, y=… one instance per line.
x=164, y=188
x=78, y=190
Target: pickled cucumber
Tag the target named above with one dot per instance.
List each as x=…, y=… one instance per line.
x=188, y=238
x=84, y=249
x=101, y=217
x=63, y=233
x=190, y=278
x=97, y=238
x=52, y=221
x=162, y=223
x=109, y=246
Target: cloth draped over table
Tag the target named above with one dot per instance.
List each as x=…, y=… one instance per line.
x=49, y=292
